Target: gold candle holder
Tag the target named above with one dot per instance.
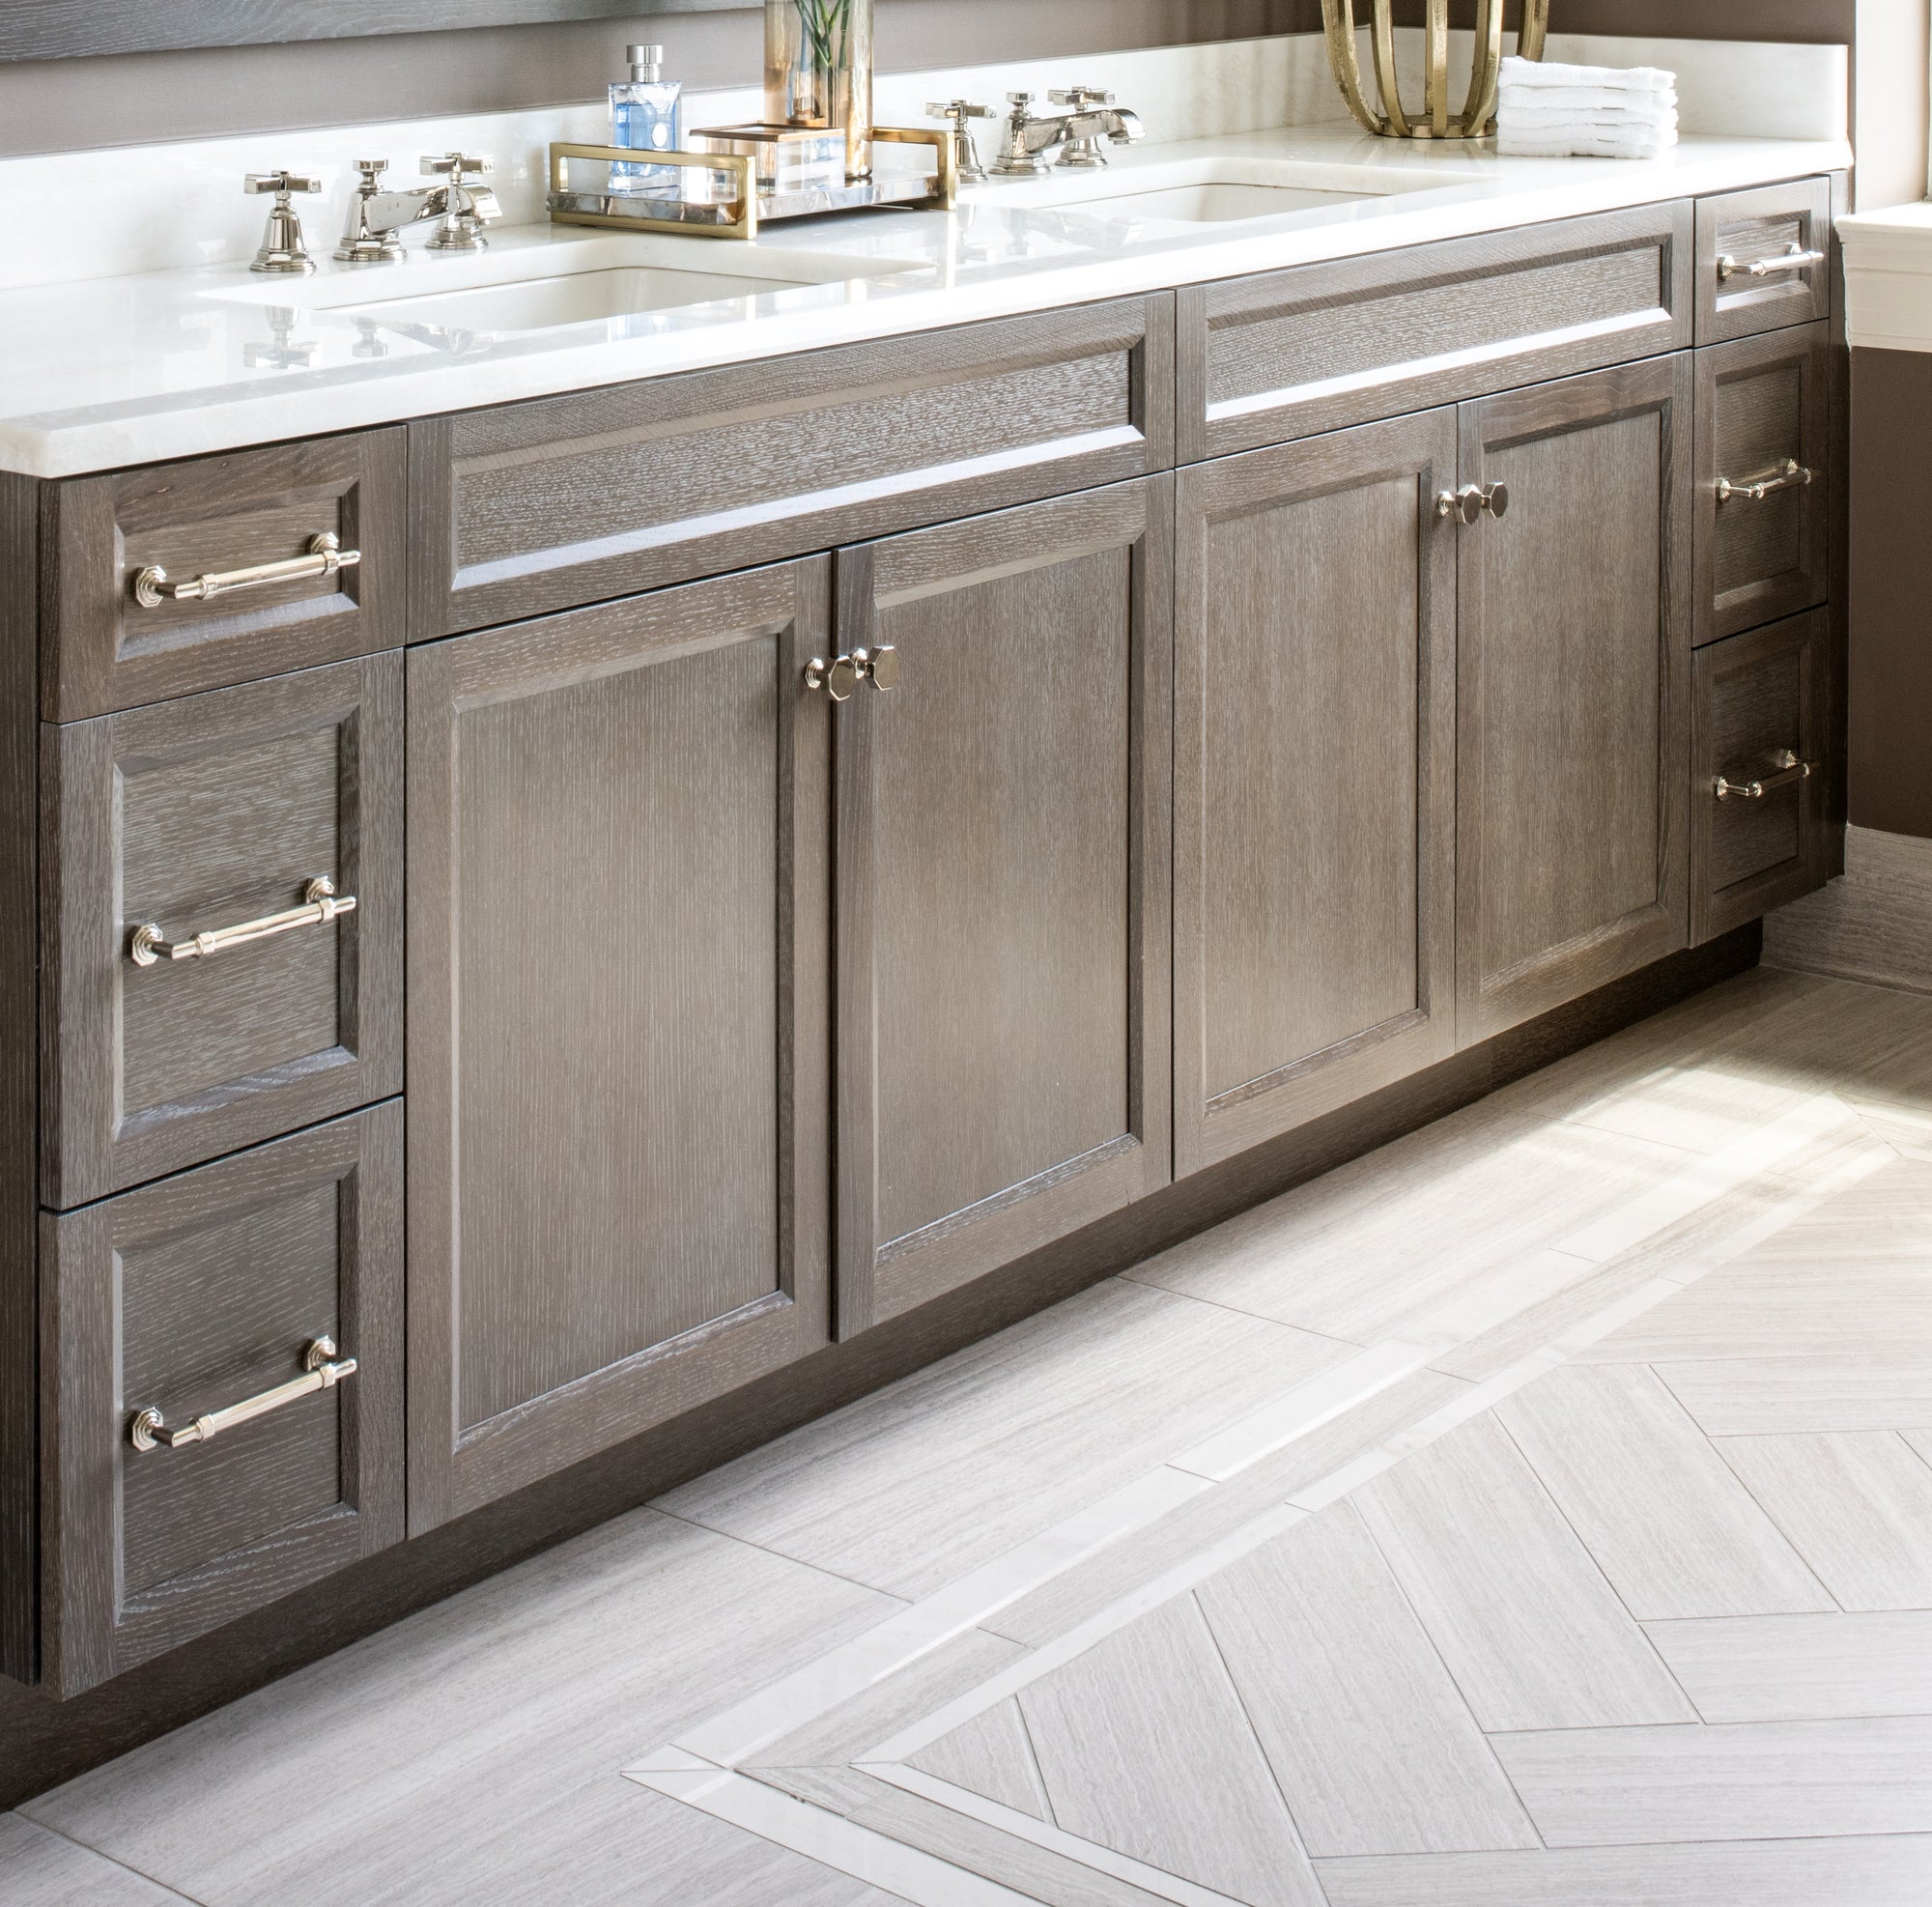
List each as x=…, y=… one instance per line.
x=1434, y=120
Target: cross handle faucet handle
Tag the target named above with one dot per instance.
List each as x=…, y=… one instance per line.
x=1080, y=98
x=957, y=110
x=455, y=165
x=280, y=183
x=371, y=170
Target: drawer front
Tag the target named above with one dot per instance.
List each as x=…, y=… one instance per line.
x=540, y=506
x=116, y=636
x=185, y=1299
x=1319, y=346
x=193, y=817
x=1763, y=479
x=1759, y=834
x=1737, y=231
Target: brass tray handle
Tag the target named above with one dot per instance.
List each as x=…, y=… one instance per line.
x=1793, y=258
x=322, y=1370
x=320, y=903
x=1790, y=768
x=325, y=556
x=1790, y=474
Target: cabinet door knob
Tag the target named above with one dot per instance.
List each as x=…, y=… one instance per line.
x=837, y=677
x=1472, y=500
x=880, y=667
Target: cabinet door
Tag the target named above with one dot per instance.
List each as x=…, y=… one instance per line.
x=1314, y=778
x=617, y=1024
x=1574, y=690
x=1003, y=868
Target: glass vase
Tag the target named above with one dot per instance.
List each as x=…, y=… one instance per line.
x=819, y=70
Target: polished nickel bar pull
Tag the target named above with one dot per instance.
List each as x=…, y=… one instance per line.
x=1790, y=474
x=1789, y=769
x=1793, y=258
x=320, y=903
x=322, y=1370
x=326, y=555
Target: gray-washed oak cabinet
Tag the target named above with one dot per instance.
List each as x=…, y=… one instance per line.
x=822, y=832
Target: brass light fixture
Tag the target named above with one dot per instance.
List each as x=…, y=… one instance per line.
x=1434, y=120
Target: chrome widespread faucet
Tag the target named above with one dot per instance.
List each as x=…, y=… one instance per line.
x=377, y=216
x=1091, y=117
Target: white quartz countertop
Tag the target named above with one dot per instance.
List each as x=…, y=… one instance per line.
x=107, y=372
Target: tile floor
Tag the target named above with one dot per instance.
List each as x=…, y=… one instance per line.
x=1537, y=1513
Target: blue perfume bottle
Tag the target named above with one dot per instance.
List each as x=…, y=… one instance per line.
x=647, y=113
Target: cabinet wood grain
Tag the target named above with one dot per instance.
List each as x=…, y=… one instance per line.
x=617, y=999
x=1573, y=671
x=104, y=650
x=533, y=507
x=1314, y=778
x=1003, y=878
x=1288, y=354
x=190, y=1296
x=19, y=1081
x=1763, y=401
x=1762, y=224
x=1758, y=696
x=206, y=812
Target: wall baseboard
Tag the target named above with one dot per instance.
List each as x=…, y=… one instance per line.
x=1874, y=923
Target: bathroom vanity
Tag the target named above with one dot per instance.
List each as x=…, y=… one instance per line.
x=828, y=822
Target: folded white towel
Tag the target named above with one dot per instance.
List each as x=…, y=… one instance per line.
x=1587, y=112
x=1585, y=144
x=1551, y=118
x=1619, y=79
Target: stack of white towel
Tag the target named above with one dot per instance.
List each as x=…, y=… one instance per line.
x=1592, y=113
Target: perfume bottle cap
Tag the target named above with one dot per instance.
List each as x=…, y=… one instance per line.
x=647, y=62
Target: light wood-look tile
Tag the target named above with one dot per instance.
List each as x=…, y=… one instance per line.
x=1144, y=1748
x=484, y=1733
x=1875, y=1387
x=1667, y=1522
x=1802, y=1667
x=1058, y=1604
x=41, y=1868
x=1541, y=1324
x=1392, y=1244
x=1767, y=1045
x=991, y=1756
x=1871, y=1872
x=1871, y=924
x=910, y=1488
x=1041, y=1873
x=929, y=1682
x=1750, y=1781
x=1374, y=1746
x=1857, y=1506
x=1532, y=1633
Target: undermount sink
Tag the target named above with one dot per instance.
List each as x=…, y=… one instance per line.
x=576, y=297
x=1215, y=191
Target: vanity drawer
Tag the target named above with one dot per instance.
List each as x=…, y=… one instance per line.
x=540, y=506
x=1737, y=231
x=112, y=642
x=1316, y=347
x=212, y=813
x=1758, y=832
x=186, y=1298
x=1764, y=464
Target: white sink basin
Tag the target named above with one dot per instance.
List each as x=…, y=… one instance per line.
x=577, y=297
x=1213, y=191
